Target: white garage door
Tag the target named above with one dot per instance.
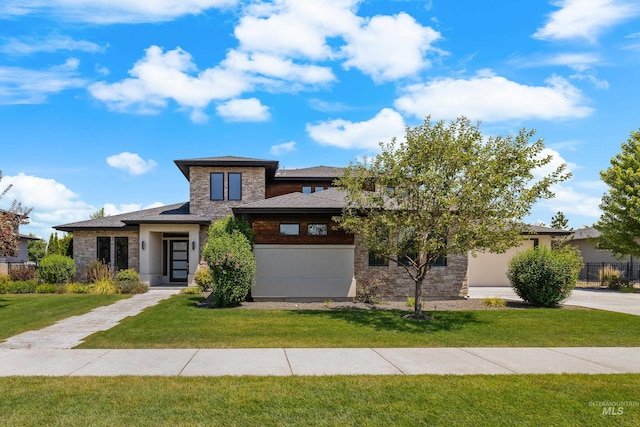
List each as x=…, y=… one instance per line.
x=304, y=271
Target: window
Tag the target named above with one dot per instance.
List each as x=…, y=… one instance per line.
x=122, y=253
x=376, y=260
x=306, y=190
x=317, y=229
x=318, y=189
x=289, y=229
x=235, y=186
x=103, y=253
x=217, y=186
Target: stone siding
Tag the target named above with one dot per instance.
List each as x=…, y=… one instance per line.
x=253, y=189
x=449, y=282
x=85, y=249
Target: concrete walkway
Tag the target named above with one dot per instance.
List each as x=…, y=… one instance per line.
x=333, y=361
x=70, y=332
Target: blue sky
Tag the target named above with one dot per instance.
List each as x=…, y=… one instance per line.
x=98, y=97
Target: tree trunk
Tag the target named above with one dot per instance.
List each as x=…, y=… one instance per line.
x=417, y=306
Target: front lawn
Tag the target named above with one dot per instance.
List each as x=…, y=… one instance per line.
x=500, y=400
x=178, y=323
x=21, y=313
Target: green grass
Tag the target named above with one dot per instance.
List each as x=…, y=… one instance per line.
x=20, y=313
x=178, y=323
x=522, y=400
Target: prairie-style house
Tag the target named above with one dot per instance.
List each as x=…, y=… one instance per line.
x=300, y=254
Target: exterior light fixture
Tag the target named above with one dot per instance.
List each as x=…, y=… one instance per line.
x=144, y=245
x=193, y=245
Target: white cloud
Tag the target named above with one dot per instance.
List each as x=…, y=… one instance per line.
x=292, y=28
x=389, y=47
x=286, y=147
x=244, y=110
x=585, y=18
x=278, y=67
x=131, y=162
x=488, y=97
x=52, y=43
x=111, y=11
x=160, y=77
x=386, y=125
x=25, y=86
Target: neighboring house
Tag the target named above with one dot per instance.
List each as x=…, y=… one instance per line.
x=585, y=239
x=299, y=252
x=490, y=269
x=21, y=256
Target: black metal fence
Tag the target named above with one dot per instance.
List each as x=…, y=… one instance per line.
x=591, y=271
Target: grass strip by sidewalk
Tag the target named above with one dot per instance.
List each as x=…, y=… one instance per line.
x=501, y=400
x=21, y=313
x=178, y=323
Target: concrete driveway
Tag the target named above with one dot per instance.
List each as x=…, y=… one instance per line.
x=601, y=299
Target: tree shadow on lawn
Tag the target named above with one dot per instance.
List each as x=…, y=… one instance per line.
x=393, y=320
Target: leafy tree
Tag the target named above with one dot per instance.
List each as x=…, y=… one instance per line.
x=560, y=222
x=446, y=189
x=10, y=221
x=53, y=247
x=228, y=252
x=36, y=250
x=98, y=214
x=619, y=224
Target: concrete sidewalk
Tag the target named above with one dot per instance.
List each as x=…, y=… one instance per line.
x=68, y=333
x=308, y=361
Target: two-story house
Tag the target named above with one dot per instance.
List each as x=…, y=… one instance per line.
x=300, y=254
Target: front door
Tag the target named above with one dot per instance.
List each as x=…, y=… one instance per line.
x=179, y=260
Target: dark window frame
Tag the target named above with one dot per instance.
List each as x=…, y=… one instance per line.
x=229, y=185
x=220, y=185
x=103, y=243
x=326, y=229
x=289, y=234
x=376, y=260
x=121, y=249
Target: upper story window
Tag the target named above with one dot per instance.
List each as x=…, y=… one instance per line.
x=317, y=229
x=217, y=186
x=235, y=186
x=306, y=190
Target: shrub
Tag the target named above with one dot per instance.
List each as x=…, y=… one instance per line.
x=494, y=302
x=131, y=287
x=46, y=288
x=228, y=224
x=191, y=290
x=411, y=302
x=20, y=287
x=204, y=279
x=98, y=271
x=104, y=287
x=23, y=273
x=232, y=264
x=128, y=275
x=367, y=290
x=56, y=269
x=544, y=277
x=612, y=277
x=76, y=288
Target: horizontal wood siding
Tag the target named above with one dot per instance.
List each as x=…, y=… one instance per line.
x=279, y=188
x=267, y=230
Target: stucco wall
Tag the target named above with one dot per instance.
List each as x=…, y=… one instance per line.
x=85, y=249
x=253, y=189
x=490, y=269
x=441, y=282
